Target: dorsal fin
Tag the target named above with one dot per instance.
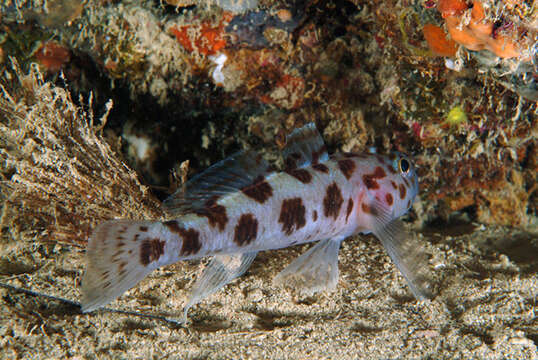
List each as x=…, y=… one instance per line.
x=229, y=175
x=304, y=147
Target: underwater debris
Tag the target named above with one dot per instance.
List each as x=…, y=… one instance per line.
x=60, y=176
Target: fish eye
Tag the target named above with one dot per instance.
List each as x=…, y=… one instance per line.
x=404, y=165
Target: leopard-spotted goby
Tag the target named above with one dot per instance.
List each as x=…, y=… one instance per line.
x=241, y=206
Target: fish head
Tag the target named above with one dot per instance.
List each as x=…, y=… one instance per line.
x=406, y=179
x=392, y=181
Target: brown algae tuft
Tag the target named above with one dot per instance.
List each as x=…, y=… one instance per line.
x=59, y=175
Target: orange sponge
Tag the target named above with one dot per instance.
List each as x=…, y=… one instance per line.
x=451, y=7
x=478, y=34
x=438, y=42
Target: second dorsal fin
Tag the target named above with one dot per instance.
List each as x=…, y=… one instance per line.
x=304, y=146
x=234, y=173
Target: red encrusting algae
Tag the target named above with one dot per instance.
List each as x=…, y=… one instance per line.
x=52, y=56
x=206, y=38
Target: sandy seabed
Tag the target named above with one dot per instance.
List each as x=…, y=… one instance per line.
x=485, y=306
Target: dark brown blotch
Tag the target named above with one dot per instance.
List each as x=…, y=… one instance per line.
x=215, y=214
x=300, y=174
x=333, y=201
x=379, y=173
x=246, y=230
x=403, y=191
x=191, y=242
x=317, y=154
x=347, y=167
x=191, y=238
x=173, y=226
x=151, y=250
x=369, y=182
x=394, y=185
x=370, y=179
x=143, y=228
x=292, y=215
x=290, y=162
x=367, y=209
x=349, y=208
x=259, y=190
x=389, y=199
x=321, y=168
x=315, y=215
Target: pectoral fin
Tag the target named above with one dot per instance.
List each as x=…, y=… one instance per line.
x=315, y=270
x=404, y=250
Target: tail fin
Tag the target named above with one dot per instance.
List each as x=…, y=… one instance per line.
x=119, y=254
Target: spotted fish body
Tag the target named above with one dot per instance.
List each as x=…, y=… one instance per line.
x=241, y=206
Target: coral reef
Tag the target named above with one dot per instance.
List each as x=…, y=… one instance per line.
x=467, y=159
x=367, y=74
x=229, y=79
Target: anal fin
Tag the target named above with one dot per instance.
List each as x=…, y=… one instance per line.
x=315, y=270
x=221, y=270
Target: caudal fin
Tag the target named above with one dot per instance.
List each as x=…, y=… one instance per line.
x=120, y=253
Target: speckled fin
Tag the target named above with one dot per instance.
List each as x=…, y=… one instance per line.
x=220, y=271
x=304, y=146
x=404, y=250
x=315, y=270
x=113, y=265
x=227, y=176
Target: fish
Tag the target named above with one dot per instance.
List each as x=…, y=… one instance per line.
x=243, y=205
